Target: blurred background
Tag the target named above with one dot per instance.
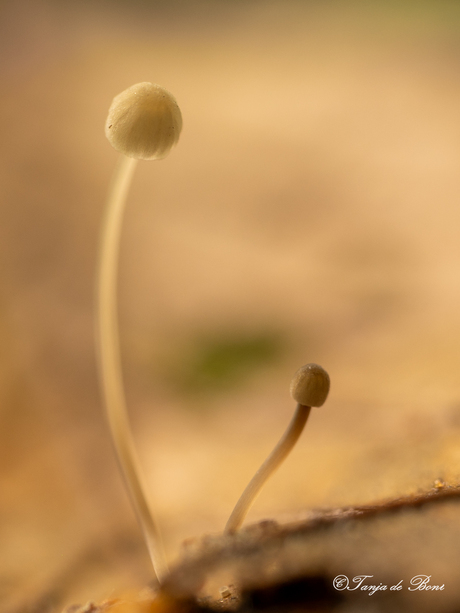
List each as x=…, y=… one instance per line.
x=310, y=213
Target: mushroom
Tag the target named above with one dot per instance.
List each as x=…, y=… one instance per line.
x=144, y=122
x=309, y=388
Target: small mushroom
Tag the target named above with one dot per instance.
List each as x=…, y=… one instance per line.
x=309, y=388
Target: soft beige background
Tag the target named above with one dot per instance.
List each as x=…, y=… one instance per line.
x=313, y=199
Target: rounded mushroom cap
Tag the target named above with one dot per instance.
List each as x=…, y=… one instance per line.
x=310, y=385
x=144, y=122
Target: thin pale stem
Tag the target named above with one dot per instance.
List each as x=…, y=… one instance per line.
x=279, y=453
x=110, y=363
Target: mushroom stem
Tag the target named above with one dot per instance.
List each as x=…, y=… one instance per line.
x=110, y=363
x=279, y=453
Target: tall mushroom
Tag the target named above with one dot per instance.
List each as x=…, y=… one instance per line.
x=144, y=122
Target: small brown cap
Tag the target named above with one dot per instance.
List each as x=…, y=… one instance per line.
x=310, y=385
x=144, y=122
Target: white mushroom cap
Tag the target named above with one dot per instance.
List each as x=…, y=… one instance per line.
x=144, y=122
x=310, y=385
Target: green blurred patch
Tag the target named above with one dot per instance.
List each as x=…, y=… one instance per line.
x=224, y=361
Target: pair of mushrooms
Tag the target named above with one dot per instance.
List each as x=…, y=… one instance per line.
x=144, y=122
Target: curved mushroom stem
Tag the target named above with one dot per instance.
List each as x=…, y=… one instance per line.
x=110, y=363
x=279, y=453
